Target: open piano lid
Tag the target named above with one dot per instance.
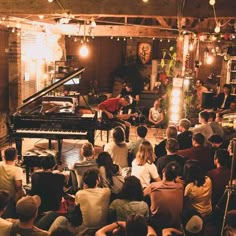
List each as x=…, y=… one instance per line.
x=41, y=93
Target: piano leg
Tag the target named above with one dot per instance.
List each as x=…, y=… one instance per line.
x=18, y=142
x=91, y=135
x=49, y=144
x=59, y=142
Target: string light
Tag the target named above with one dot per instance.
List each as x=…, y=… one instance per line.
x=83, y=51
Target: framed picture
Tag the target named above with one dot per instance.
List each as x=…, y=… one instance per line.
x=144, y=53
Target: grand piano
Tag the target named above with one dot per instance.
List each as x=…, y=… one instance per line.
x=52, y=117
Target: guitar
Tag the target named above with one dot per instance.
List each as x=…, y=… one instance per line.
x=119, y=116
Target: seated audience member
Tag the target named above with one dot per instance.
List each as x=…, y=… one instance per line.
x=118, y=148
x=48, y=185
x=232, y=108
x=204, y=127
x=185, y=136
x=216, y=141
x=156, y=115
x=135, y=225
x=193, y=225
x=224, y=99
x=87, y=161
x=93, y=202
x=110, y=173
x=172, y=146
x=216, y=127
x=143, y=166
x=5, y=225
x=230, y=223
x=199, y=152
x=129, y=202
x=200, y=89
x=61, y=231
x=166, y=199
x=219, y=176
x=11, y=178
x=160, y=149
x=27, y=211
x=197, y=193
x=134, y=145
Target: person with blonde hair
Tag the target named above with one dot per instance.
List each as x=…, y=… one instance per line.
x=143, y=166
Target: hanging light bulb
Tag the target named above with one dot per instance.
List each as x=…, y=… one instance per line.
x=212, y=2
x=93, y=23
x=50, y=0
x=217, y=28
x=191, y=47
x=83, y=51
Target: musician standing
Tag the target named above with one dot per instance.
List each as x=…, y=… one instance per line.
x=129, y=91
x=111, y=113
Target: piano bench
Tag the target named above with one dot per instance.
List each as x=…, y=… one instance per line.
x=32, y=158
x=101, y=126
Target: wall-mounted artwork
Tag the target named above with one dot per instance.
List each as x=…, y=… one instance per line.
x=144, y=53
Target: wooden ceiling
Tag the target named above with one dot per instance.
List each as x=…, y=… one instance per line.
x=155, y=18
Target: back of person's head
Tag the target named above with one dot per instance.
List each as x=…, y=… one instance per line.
x=204, y=115
x=172, y=145
x=199, y=138
x=104, y=159
x=172, y=170
x=61, y=231
x=48, y=162
x=222, y=155
x=142, y=131
x=145, y=153
x=230, y=219
x=132, y=189
x=171, y=132
x=10, y=154
x=136, y=225
x=4, y=199
x=87, y=150
x=27, y=208
x=216, y=138
x=90, y=177
x=193, y=173
x=185, y=123
x=212, y=115
x=118, y=135
x=193, y=223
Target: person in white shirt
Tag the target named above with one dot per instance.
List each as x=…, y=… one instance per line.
x=93, y=202
x=143, y=166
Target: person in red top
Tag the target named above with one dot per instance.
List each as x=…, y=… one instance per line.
x=219, y=176
x=111, y=113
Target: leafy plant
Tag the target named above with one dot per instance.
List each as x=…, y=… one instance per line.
x=168, y=60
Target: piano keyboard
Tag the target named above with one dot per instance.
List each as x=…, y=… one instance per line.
x=50, y=132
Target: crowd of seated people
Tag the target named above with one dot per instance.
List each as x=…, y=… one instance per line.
x=185, y=174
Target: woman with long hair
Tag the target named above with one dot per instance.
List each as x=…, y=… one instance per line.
x=143, y=166
x=118, y=148
x=198, y=188
x=110, y=173
x=129, y=202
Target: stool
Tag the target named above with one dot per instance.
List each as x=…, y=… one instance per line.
x=102, y=126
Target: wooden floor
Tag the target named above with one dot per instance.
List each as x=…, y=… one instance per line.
x=71, y=148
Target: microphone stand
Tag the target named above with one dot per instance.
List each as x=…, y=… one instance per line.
x=230, y=188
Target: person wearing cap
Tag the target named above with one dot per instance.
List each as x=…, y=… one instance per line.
x=111, y=116
x=5, y=225
x=27, y=212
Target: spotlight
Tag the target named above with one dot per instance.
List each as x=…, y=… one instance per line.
x=217, y=28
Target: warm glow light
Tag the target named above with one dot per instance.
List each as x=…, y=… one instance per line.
x=83, y=51
x=145, y=0
x=174, y=117
x=212, y=2
x=176, y=101
x=191, y=47
x=41, y=17
x=176, y=93
x=217, y=28
x=174, y=109
x=186, y=83
x=209, y=60
x=50, y=0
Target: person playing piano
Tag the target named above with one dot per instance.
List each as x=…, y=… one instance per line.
x=111, y=113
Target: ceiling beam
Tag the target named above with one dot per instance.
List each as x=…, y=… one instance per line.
x=162, y=22
x=164, y=8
